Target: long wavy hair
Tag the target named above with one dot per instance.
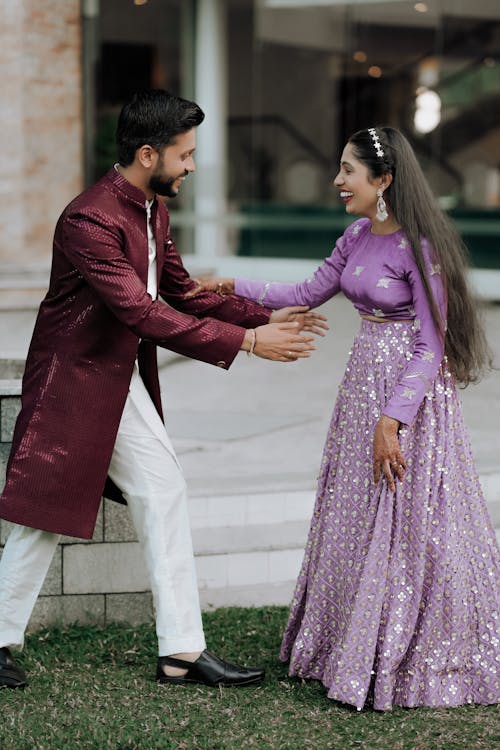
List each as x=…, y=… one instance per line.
x=415, y=209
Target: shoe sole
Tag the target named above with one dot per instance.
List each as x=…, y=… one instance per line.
x=12, y=684
x=183, y=681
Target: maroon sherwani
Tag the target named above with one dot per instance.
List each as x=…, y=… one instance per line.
x=96, y=318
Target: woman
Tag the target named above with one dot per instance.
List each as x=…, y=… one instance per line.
x=397, y=599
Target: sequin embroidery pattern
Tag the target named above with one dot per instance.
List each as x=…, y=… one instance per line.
x=397, y=600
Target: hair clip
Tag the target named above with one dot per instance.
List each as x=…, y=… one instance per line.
x=376, y=141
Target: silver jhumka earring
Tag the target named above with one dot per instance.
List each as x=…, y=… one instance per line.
x=382, y=213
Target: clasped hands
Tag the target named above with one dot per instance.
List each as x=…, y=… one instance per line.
x=279, y=340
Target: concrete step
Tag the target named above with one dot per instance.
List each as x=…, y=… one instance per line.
x=252, y=576
x=21, y=299
x=264, y=509
x=249, y=565
x=259, y=595
x=22, y=289
x=494, y=511
x=270, y=537
x=249, y=548
x=252, y=509
x=227, y=540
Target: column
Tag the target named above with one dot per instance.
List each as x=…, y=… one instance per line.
x=90, y=53
x=11, y=117
x=211, y=149
x=40, y=106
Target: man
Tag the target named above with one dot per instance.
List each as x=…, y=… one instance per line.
x=91, y=420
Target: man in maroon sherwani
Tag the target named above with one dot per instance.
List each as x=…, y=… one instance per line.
x=91, y=418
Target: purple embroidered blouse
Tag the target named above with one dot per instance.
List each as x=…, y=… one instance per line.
x=378, y=273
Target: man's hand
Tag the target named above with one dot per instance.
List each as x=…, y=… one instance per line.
x=387, y=456
x=279, y=342
x=218, y=285
x=312, y=322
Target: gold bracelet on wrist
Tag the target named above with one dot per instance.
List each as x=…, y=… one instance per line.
x=253, y=342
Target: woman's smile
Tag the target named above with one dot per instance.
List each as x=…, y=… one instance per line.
x=346, y=196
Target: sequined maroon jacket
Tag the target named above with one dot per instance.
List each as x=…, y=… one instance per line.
x=86, y=339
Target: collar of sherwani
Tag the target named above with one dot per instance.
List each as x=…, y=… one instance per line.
x=133, y=193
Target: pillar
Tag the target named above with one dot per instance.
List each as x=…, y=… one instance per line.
x=211, y=150
x=40, y=121
x=90, y=52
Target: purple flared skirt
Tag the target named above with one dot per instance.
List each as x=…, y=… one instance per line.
x=397, y=600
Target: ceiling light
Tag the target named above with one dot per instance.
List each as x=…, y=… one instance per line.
x=360, y=56
x=374, y=71
x=427, y=111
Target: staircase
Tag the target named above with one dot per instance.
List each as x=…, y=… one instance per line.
x=249, y=547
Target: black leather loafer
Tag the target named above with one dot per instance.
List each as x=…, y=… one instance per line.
x=210, y=670
x=11, y=675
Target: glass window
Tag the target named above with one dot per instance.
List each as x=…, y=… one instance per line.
x=304, y=75
x=301, y=77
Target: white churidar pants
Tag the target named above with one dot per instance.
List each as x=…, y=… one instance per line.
x=145, y=468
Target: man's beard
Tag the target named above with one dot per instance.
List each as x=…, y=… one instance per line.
x=163, y=185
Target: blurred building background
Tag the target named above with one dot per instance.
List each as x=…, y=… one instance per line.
x=283, y=83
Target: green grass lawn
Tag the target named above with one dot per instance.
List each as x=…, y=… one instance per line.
x=94, y=688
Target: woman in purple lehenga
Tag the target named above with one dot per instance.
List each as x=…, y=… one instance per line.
x=397, y=601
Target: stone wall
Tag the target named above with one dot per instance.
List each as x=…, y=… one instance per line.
x=41, y=124
x=88, y=582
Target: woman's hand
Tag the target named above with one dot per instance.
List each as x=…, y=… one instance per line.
x=312, y=322
x=212, y=284
x=387, y=456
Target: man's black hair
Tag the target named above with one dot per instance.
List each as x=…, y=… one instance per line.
x=154, y=117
